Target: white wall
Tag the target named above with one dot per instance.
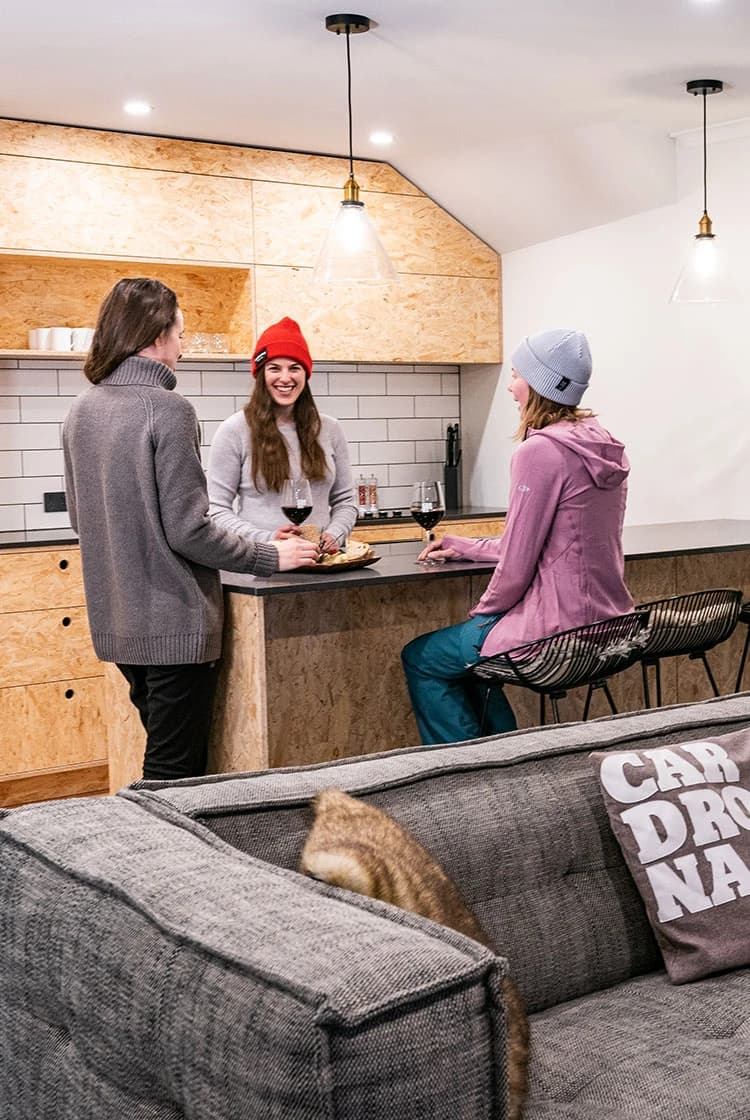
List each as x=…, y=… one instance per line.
x=672, y=381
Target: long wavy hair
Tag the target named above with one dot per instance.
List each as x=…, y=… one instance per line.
x=270, y=457
x=541, y=411
x=133, y=315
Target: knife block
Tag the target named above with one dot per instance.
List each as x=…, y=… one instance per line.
x=452, y=485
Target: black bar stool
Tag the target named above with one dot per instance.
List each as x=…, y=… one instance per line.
x=744, y=617
x=687, y=624
x=585, y=655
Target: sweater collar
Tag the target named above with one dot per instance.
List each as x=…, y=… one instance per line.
x=141, y=371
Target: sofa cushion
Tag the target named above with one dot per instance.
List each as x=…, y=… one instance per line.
x=149, y=970
x=681, y=815
x=645, y=1049
x=516, y=821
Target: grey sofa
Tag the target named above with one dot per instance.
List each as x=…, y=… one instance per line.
x=161, y=958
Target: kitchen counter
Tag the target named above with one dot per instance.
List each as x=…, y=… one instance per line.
x=311, y=664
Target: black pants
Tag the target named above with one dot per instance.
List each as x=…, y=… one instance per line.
x=175, y=703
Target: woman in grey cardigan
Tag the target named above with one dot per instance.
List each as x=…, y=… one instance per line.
x=280, y=434
x=137, y=498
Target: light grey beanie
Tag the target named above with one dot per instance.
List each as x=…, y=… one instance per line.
x=557, y=364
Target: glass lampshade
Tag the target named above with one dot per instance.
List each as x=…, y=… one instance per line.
x=353, y=252
x=705, y=276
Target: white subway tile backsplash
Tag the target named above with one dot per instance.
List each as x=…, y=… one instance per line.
x=393, y=416
x=27, y=382
x=436, y=406
x=387, y=406
x=44, y=410
x=43, y=462
x=20, y=491
x=365, y=429
x=343, y=408
x=427, y=428
x=399, y=384
x=360, y=384
x=19, y=437
x=11, y=464
x=11, y=518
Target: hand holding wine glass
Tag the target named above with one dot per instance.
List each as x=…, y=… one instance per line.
x=427, y=508
x=296, y=500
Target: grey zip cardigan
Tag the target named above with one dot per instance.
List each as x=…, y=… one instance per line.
x=137, y=498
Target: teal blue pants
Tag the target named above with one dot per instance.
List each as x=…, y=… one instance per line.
x=446, y=699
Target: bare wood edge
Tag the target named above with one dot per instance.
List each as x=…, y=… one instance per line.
x=85, y=779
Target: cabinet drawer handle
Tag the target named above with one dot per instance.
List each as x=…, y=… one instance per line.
x=63, y=564
x=69, y=693
x=66, y=621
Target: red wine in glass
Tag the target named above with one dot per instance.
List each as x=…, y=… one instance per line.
x=296, y=500
x=428, y=506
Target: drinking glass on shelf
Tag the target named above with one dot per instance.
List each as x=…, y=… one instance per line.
x=428, y=507
x=296, y=500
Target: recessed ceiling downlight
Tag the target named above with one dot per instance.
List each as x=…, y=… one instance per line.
x=380, y=136
x=137, y=108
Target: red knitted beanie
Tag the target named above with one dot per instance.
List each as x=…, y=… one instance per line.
x=281, y=340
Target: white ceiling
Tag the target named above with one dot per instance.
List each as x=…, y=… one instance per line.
x=526, y=120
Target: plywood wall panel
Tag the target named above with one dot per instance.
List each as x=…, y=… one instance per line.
x=60, y=142
x=291, y=223
x=46, y=291
x=63, y=207
x=420, y=319
x=52, y=725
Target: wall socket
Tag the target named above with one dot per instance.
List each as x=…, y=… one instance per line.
x=54, y=501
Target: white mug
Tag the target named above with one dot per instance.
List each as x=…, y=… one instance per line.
x=82, y=337
x=38, y=338
x=59, y=338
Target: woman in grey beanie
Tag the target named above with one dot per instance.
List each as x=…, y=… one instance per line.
x=559, y=562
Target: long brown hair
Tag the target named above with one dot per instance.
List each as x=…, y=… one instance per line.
x=541, y=411
x=270, y=457
x=133, y=315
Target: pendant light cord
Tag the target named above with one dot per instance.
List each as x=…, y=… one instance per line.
x=705, y=157
x=349, y=100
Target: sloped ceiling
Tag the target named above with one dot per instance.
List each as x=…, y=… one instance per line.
x=525, y=120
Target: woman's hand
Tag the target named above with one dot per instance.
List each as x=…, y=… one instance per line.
x=328, y=544
x=286, y=532
x=296, y=552
x=435, y=551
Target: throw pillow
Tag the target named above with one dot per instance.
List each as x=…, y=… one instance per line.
x=681, y=815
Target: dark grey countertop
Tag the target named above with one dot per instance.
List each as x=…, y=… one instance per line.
x=398, y=562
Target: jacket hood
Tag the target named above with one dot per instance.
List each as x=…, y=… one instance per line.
x=602, y=455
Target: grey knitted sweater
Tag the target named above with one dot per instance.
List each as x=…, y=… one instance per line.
x=137, y=498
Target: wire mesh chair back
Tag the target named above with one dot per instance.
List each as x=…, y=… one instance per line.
x=690, y=623
x=580, y=656
x=744, y=617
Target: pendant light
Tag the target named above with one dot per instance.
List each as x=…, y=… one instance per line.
x=352, y=253
x=704, y=278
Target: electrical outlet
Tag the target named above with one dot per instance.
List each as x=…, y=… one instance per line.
x=54, y=501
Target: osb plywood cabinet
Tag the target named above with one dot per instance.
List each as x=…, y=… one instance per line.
x=380, y=532
x=52, y=726
x=237, y=232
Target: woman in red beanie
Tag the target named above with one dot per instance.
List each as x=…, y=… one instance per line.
x=280, y=434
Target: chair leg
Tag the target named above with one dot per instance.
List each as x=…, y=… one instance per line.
x=555, y=712
x=587, y=705
x=657, y=671
x=743, y=659
x=608, y=694
x=542, y=710
x=485, y=706
x=709, y=674
x=646, y=690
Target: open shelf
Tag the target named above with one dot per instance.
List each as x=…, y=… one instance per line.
x=79, y=356
x=39, y=291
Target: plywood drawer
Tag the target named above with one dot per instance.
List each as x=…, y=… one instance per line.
x=52, y=725
x=41, y=646
x=32, y=579
x=380, y=532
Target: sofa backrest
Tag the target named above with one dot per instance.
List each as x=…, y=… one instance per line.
x=517, y=821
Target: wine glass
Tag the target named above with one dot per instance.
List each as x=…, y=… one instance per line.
x=428, y=507
x=296, y=500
